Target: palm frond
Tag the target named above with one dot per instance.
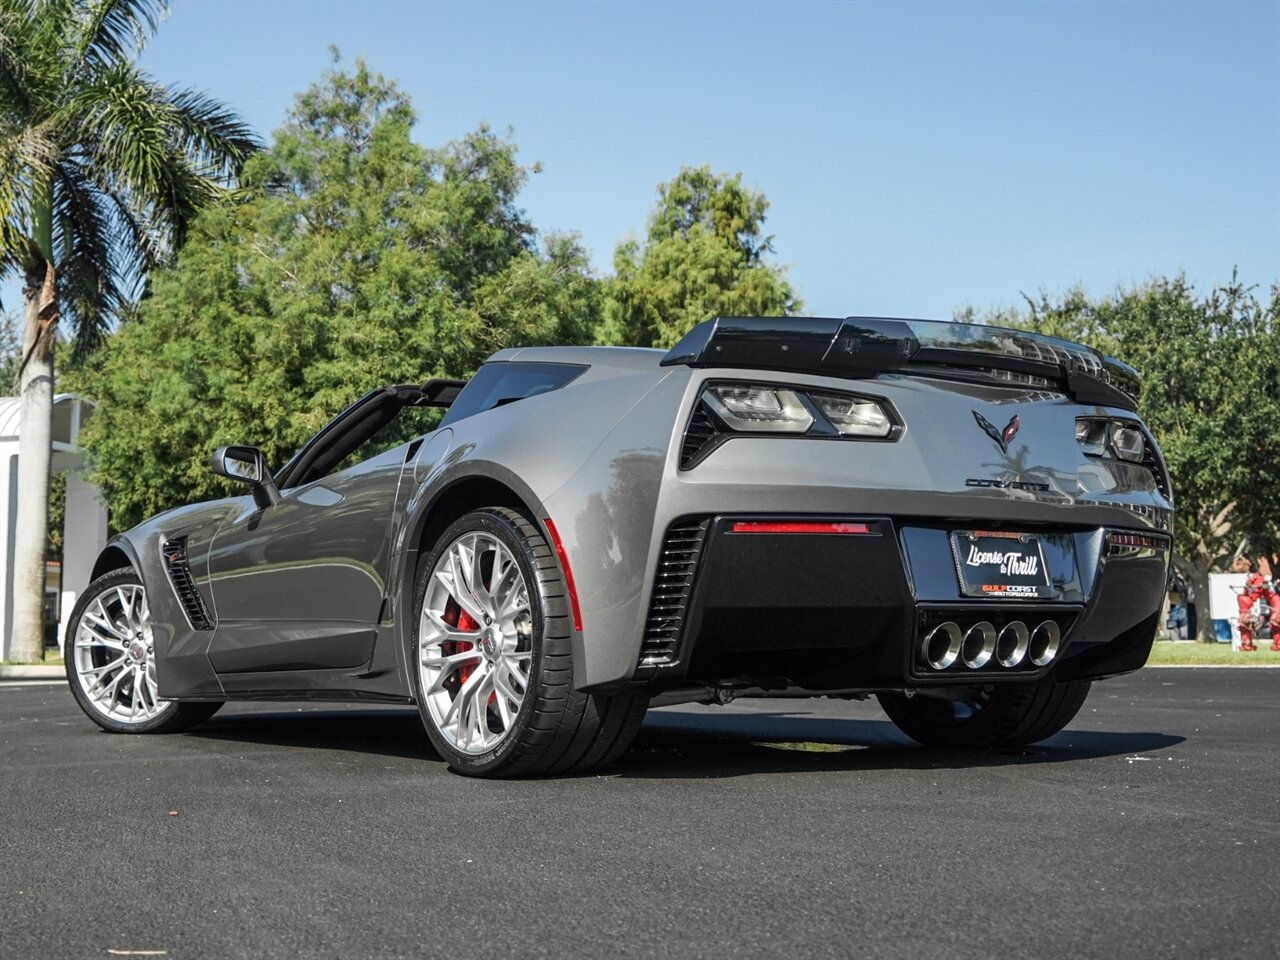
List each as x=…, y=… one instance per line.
x=131, y=162
x=165, y=158
x=85, y=242
x=15, y=33
x=42, y=30
x=142, y=246
x=210, y=133
x=28, y=152
x=114, y=31
x=122, y=124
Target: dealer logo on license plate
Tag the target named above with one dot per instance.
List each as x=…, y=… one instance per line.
x=993, y=563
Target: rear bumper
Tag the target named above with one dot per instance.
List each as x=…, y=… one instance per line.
x=853, y=610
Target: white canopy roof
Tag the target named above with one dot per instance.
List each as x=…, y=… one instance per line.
x=70, y=412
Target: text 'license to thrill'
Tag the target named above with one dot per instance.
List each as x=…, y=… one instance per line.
x=999, y=564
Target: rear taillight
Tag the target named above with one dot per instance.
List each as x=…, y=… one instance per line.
x=1092, y=437
x=1128, y=443
x=749, y=409
x=726, y=410
x=854, y=416
x=1117, y=439
x=1105, y=439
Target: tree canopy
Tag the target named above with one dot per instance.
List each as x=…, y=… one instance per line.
x=704, y=255
x=356, y=257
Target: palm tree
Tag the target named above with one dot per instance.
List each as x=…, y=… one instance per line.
x=101, y=172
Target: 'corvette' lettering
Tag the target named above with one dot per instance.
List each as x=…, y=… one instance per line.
x=1008, y=484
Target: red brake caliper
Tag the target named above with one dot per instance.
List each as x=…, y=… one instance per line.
x=459, y=619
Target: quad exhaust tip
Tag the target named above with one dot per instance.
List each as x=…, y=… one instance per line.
x=1045, y=641
x=977, y=646
x=942, y=645
x=1012, y=646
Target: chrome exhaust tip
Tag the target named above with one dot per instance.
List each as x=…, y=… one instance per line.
x=1011, y=646
x=1045, y=641
x=978, y=646
x=941, y=645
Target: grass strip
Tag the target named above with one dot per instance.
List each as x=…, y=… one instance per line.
x=1212, y=654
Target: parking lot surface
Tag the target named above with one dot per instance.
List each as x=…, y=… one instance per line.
x=1149, y=828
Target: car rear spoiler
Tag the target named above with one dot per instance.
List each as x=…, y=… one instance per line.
x=864, y=347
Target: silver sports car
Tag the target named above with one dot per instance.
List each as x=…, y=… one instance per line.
x=970, y=523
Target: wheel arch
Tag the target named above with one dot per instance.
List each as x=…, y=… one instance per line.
x=116, y=555
x=479, y=484
x=463, y=495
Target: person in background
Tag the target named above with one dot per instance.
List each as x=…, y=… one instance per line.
x=1256, y=586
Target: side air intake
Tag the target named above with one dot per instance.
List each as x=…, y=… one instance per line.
x=700, y=437
x=174, y=553
x=677, y=565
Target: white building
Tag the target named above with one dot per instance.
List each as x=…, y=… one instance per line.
x=85, y=527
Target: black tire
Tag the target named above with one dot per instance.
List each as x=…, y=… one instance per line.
x=171, y=717
x=1004, y=715
x=557, y=729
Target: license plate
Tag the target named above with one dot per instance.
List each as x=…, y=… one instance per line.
x=1000, y=564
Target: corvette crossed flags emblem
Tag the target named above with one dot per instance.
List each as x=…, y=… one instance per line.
x=1002, y=437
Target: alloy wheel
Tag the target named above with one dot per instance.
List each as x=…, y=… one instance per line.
x=113, y=652
x=475, y=643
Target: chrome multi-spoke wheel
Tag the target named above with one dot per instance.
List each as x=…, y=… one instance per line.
x=113, y=649
x=493, y=656
x=111, y=661
x=475, y=643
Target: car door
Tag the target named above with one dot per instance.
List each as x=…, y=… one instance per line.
x=298, y=585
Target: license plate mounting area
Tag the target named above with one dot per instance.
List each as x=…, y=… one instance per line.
x=1000, y=564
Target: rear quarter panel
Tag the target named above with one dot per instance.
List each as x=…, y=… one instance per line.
x=589, y=457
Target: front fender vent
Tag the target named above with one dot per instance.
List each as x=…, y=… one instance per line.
x=174, y=553
x=672, y=585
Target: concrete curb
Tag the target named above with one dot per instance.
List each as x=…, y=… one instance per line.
x=33, y=672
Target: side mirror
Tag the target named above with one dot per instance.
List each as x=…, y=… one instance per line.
x=248, y=465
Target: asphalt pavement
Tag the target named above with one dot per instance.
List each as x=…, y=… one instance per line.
x=1148, y=828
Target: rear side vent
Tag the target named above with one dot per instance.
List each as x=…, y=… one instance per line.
x=1153, y=463
x=174, y=553
x=700, y=437
x=677, y=565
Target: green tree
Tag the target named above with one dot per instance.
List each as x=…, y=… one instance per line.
x=704, y=256
x=355, y=258
x=10, y=347
x=101, y=171
x=1210, y=368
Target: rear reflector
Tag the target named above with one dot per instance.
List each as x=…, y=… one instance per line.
x=1117, y=539
x=568, y=574
x=801, y=526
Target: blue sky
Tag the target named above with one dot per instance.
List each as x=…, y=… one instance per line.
x=917, y=156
